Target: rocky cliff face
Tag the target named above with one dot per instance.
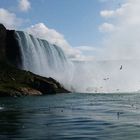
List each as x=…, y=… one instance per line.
x=9, y=47
x=3, y=35
x=13, y=53
x=16, y=82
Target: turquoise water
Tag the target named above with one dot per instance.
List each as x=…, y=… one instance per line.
x=71, y=117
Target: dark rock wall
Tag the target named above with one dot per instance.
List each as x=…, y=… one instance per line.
x=9, y=47
x=13, y=53
x=2, y=43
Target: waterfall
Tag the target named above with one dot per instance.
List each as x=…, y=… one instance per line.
x=43, y=58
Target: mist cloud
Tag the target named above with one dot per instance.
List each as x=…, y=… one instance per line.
x=124, y=42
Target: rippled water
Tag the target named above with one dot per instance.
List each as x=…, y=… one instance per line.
x=71, y=116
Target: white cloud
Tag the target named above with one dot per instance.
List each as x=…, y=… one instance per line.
x=106, y=27
x=107, y=13
x=24, y=5
x=9, y=19
x=84, y=58
x=88, y=53
x=40, y=30
x=105, y=0
x=117, y=12
x=124, y=42
x=87, y=48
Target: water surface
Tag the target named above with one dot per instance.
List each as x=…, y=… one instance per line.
x=75, y=116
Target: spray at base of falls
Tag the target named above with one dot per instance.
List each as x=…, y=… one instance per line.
x=43, y=58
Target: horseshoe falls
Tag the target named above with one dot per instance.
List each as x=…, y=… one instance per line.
x=45, y=59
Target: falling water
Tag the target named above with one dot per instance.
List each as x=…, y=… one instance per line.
x=43, y=58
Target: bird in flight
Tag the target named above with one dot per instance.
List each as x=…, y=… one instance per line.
x=121, y=67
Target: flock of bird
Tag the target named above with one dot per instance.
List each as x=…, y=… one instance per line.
x=105, y=79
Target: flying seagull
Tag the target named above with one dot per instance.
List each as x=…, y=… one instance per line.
x=121, y=67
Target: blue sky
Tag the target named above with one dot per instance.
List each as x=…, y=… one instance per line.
x=77, y=20
x=74, y=23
